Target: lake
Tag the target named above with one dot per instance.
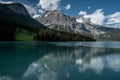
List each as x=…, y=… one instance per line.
x=60, y=61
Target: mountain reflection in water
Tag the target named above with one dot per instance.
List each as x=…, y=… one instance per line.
x=50, y=62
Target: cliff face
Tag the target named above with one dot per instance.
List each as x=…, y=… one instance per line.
x=59, y=21
x=55, y=17
x=18, y=8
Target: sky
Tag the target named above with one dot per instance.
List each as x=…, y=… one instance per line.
x=101, y=12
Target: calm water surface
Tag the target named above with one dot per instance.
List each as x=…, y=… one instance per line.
x=60, y=61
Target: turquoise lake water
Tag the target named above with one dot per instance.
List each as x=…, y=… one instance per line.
x=60, y=61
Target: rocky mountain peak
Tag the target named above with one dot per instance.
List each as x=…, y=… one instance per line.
x=50, y=13
x=18, y=8
x=56, y=17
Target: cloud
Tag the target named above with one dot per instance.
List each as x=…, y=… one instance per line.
x=113, y=18
x=32, y=10
x=96, y=17
x=49, y=5
x=6, y=2
x=89, y=7
x=82, y=13
x=68, y=7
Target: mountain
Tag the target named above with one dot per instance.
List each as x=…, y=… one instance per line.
x=113, y=35
x=16, y=24
x=18, y=8
x=17, y=13
x=59, y=21
x=14, y=17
